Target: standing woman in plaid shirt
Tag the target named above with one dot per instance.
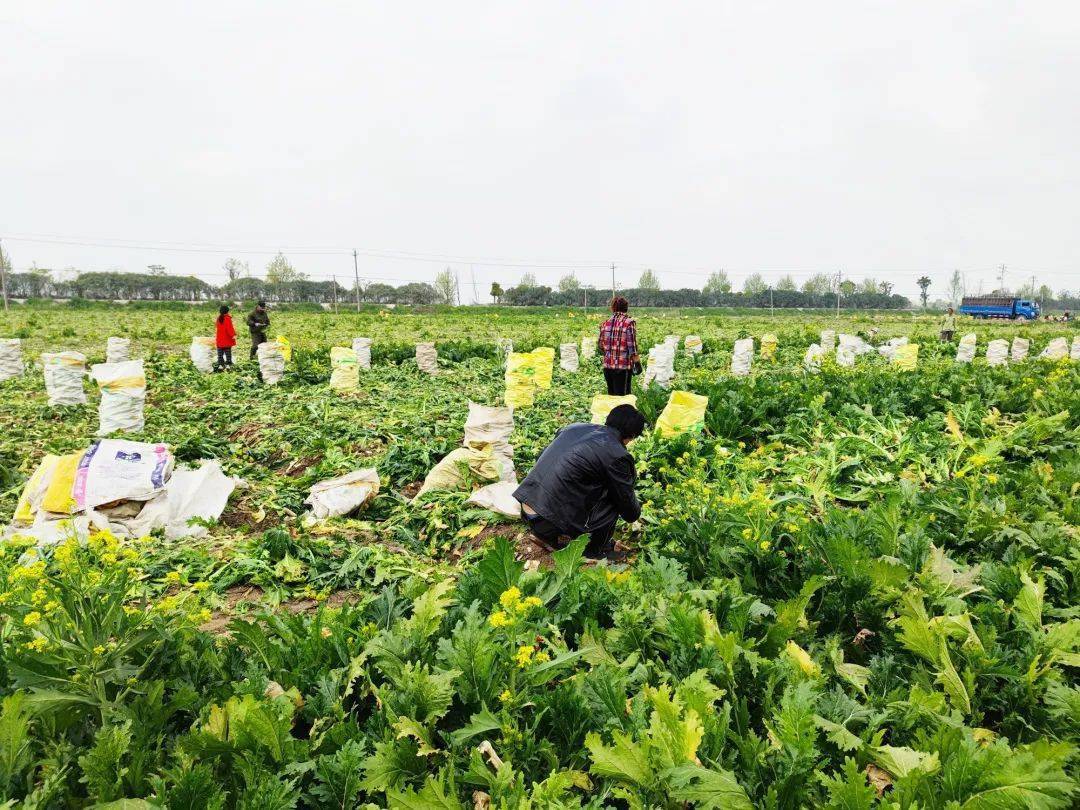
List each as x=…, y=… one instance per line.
x=618, y=343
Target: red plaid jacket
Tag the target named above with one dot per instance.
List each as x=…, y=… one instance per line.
x=618, y=341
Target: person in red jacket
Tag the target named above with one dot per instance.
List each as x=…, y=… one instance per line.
x=226, y=339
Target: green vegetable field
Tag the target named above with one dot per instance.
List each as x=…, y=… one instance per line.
x=853, y=588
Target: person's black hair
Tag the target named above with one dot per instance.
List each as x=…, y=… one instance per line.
x=221, y=313
x=627, y=421
x=260, y=304
x=619, y=304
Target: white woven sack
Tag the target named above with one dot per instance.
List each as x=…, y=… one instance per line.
x=346, y=493
x=742, y=357
x=488, y=425
x=64, y=373
x=568, y=359
x=1074, y=352
x=1020, y=347
x=271, y=362
x=693, y=344
x=857, y=345
x=997, y=352
x=661, y=366
x=828, y=340
x=888, y=349
x=11, y=360
x=498, y=498
x=123, y=395
x=845, y=355
x=672, y=340
x=1056, y=349
x=965, y=352
x=427, y=359
x=202, y=353
x=362, y=347
x=812, y=359
x=117, y=350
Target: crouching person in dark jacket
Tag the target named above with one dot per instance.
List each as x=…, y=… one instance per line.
x=583, y=483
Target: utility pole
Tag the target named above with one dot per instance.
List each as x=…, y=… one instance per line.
x=3, y=275
x=356, y=278
x=772, y=311
x=839, y=277
x=457, y=288
x=333, y=281
x=1001, y=279
x=475, y=294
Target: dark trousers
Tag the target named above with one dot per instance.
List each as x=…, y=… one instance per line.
x=946, y=335
x=618, y=381
x=601, y=540
x=224, y=357
x=256, y=339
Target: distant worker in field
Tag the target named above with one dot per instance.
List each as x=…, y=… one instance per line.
x=258, y=321
x=618, y=345
x=225, y=338
x=583, y=483
x=948, y=326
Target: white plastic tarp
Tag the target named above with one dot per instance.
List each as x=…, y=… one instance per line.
x=497, y=497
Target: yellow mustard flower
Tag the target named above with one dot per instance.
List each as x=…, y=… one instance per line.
x=499, y=619
x=510, y=597
x=31, y=618
x=524, y=656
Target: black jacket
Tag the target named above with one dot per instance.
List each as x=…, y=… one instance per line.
x=258, y=322
x=583, y=480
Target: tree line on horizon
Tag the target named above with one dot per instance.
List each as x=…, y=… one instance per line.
x=283, y=283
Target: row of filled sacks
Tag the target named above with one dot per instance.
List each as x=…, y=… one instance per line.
x=684, y=412
x=12, y=364
x=130, y=488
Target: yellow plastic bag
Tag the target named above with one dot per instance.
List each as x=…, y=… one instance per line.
x=768, y=346
x=35, y=489
x=603, y=404
x=59, y=497
x=520, y=380
x=345, y=373
x=906, y=356
x=543, y=365
x=684, y=412
x=286, y=347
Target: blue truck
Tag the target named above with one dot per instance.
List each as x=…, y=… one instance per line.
x=998, y=306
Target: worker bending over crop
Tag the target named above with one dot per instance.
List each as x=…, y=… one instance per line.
x=583, y=483
x=258, y=321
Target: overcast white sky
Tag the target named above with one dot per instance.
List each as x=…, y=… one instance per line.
x=877, y=138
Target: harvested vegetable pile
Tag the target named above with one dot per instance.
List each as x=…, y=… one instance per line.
x=854, y=588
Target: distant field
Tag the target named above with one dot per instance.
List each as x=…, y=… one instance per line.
x=858, y=573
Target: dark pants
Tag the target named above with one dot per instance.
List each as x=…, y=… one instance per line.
x=256, y=339
x=224, y=357
x=618, y=381
x=600, y=540
x=946, y=335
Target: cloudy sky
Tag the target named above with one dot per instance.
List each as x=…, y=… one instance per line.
x=886, y=139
